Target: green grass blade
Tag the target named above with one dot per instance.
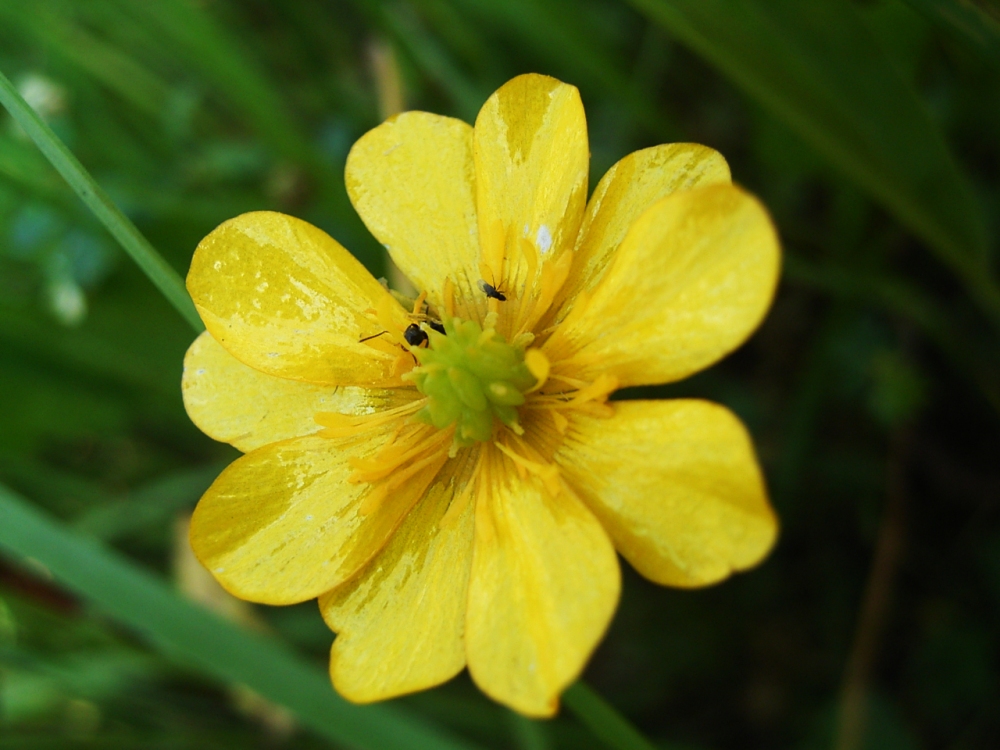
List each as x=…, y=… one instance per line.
x=603, y=719
x=211, y=48
x=817, y=67
x=151, y=506
x=47, y=27
x=968, y=22
x=971, y=358
x=163, y=276
x=434, y=60
x=196, y=637
x=554, y=31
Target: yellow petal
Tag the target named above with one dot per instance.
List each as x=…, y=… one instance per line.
x=626, y=190
x=281, y=524
x=677, y=486
x=285, y=298
x=401, y=621
x=544, y=585
x=692, y=279
x=531, y=179
x=247, y=408
x=412, y=181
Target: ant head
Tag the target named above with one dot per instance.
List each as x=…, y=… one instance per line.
x=415, y=335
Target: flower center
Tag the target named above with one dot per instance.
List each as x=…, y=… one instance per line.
x=471, y=375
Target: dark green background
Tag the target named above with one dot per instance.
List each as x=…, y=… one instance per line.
x=870, y=130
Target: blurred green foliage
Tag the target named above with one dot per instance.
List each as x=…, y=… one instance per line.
x=870, y=129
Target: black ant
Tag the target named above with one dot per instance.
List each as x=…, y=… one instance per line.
x=492, y=292
x=414, y=334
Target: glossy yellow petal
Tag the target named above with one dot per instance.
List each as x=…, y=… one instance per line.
x=544, y=585
x=677, y=486
x=401, y=621
x=285, y=298
x=531, y=182
x=412, y=180
x=247, y=408
x=626, y=190
x=692, y=279
x=282, y=524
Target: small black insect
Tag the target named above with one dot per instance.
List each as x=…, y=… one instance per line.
x=415, y=335
x=492, y=292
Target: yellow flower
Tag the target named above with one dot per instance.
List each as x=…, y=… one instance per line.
x=448, y=477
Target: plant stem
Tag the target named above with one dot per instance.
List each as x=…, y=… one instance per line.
x=853, y=709
x=163, y=276
x=603, y=719
x=528, y=734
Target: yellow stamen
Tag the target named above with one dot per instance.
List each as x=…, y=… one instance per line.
x=395, y=453
x=418, y=304
x=403, y=362
x=379, y=492
x=589, y=398
x=348, y=425
x=530, y=257
x=388, y=314
x=494, y=244
x=553, y=275
x=448, y=293
x=571, y=382
x=490, y=322
x=538, y=365
x=558, y=346
x=583, y=394
x=599, y=390
x=548, y=473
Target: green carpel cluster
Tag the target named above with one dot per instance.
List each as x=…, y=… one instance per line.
x=470, y=376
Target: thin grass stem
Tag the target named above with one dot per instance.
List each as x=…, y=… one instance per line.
x=528, y=734
x=161, y=273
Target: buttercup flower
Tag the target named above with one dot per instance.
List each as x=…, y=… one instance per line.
x=447, y=474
